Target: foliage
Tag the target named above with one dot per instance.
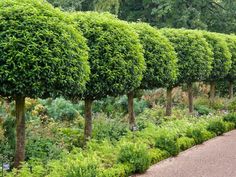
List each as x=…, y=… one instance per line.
x=199, y=135
x=61, y=109
x=39, y=46
x=222, y=56
x=202, y=109
x=135, y=154
x=217, y=126
x=185, y=143
x=160, y=57
x=166, y=141
x=230, y=118
x=109, y=129
x=115, y=57
x=194, y=54
x=231, y=43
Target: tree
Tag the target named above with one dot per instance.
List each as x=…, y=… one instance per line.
x=169, y=13
x=88, y=5
x=160, y=58
x=194, y=57
x=231, y=77
x=222, y=60
x=41, y=55
x=116, y=59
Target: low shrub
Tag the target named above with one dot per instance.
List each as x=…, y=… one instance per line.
x=185, y=143
x=61, y=109
x=111, y=129
x=136, y=155
x=203, y=109
x=199, y=135
x=217, y=126
x=229, y=126
x=166, y=141
x=118, y=170
x=232, y=106
x=230, y=118
x=157, y=155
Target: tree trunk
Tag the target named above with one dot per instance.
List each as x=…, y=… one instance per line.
x=132, y=123
x=190, y=97
x=231, y=90
x=212, y=91
x=88, y=120
x=169, y=101
x=20, y=131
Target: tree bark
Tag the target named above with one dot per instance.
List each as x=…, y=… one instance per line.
x=190, y=97
x=169, y=101
x=88, y=120
x=20, y=131
x=212, y=91
x=132, y=123
x=231, y=90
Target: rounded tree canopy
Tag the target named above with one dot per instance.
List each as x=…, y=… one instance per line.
x=41, y=53
x=159, y=55
x=194, y=54
x=231, y=42
x=222, y=56
x=116, y=55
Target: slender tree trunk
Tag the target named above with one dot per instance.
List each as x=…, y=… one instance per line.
x=20, y=131
x=190, y=97
x=212, y=91
x=132, y=123
x=231, y=90
x=169, y=101
x=88, y=120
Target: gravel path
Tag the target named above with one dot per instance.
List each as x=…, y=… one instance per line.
x=214, y=158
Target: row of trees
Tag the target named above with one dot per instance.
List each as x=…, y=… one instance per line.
x=47, y=53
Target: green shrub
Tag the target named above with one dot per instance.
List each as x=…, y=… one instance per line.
x=185, y=143
x=229, y=126
x=118, y=170
x=157, y=155
x=111, y=129
x=41, y=148
x=167, y=142
x=199, y=135
x=230, y=118
x=61, y=109
x=232, y=106
x=135, y=154
x=217, y=126
x=202, y=109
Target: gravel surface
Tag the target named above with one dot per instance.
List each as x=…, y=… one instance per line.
x=214, y=158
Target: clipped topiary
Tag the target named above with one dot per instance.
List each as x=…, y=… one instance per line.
x=194, y=58
x=116, y=59
x=160, y=58
x=222, y=60
x=41, y=55
x=231, y=77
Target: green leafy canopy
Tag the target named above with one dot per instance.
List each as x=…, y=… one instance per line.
x=194, y=54
x=116, y=55
x=41, y=53
x=160, y=57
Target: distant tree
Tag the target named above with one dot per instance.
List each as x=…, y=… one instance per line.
x=222, y=60
x=111, y=6
x=116, y=59
x=42, y=55
x=194, y=58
